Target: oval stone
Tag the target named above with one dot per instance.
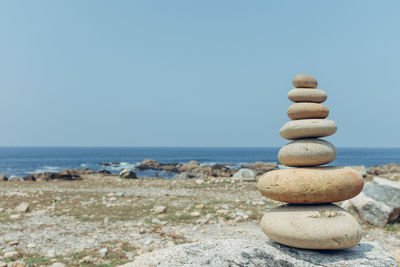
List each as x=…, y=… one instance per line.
x=307, y=128
x=325, y=226
x=311, y=185
x=304, y=81
x=307, y=95
x=307, y=152
x=301, y=111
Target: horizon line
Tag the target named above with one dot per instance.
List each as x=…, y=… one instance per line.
x=30, y=146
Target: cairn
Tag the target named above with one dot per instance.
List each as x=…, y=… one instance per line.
x=310, y=220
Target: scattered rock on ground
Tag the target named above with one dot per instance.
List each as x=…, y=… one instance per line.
x=238, y=252
x=244, y=174
x=23, y=207
x=10, y=254
x=159, y=209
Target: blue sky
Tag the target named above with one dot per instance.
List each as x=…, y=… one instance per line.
x=194, y=73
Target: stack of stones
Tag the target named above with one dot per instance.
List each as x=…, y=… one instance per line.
x=310, y=220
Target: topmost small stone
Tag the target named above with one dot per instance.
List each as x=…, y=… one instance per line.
x=304, y=81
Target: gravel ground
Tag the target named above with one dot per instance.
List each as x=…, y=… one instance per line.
x=106, y=221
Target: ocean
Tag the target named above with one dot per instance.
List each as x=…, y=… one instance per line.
x=22, y=161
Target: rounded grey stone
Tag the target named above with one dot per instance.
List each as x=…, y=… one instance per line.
x=307, y=152
x=308, y=128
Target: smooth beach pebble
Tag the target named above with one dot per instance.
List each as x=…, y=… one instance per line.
x=325, y=226
x=304, y=81
x=307, y=95
x=311, y=185
x=307, y=152
x=301, y=111
x=307, y=128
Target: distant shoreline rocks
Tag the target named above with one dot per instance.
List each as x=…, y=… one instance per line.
x=189, y=170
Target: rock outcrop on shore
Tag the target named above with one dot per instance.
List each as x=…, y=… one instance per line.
x=390, y=171
x=70, y=174
x=239, y=252
x=193, y=168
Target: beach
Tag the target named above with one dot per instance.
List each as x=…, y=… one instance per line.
x=102, y=220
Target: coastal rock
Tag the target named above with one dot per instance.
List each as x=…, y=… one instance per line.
x=308, y=128
x=104, y=172
x=378, y=204
x=261, y=167
x=252, y=253
x=126, y=174
x=150, y=164
x=304, y=81
x=245, y=174
x=14, y=178
x=191, y=167
x=324, y=226
x=3, y=177
x=71, y=174
x=307, y=152
x=391, y=171
x=301, y=111
x=307, y=95
x=311, y=185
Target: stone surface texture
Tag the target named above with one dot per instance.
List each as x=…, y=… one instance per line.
x=307, y=152
x=308, y=128
x=311, y=185
x=324, y=226
x=304, y=81
x=252, y=253
x=300, y=111
x=307, y=95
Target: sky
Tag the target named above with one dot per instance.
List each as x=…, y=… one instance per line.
x=194, y=73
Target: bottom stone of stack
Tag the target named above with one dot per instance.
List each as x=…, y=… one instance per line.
x=324, y=226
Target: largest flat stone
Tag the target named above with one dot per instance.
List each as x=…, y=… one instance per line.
x=308, y=128
x=252, y=253
x=324, y=226
x=311, y=185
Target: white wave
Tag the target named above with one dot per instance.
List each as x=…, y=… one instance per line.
x=47, y=169
x=122, y=165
